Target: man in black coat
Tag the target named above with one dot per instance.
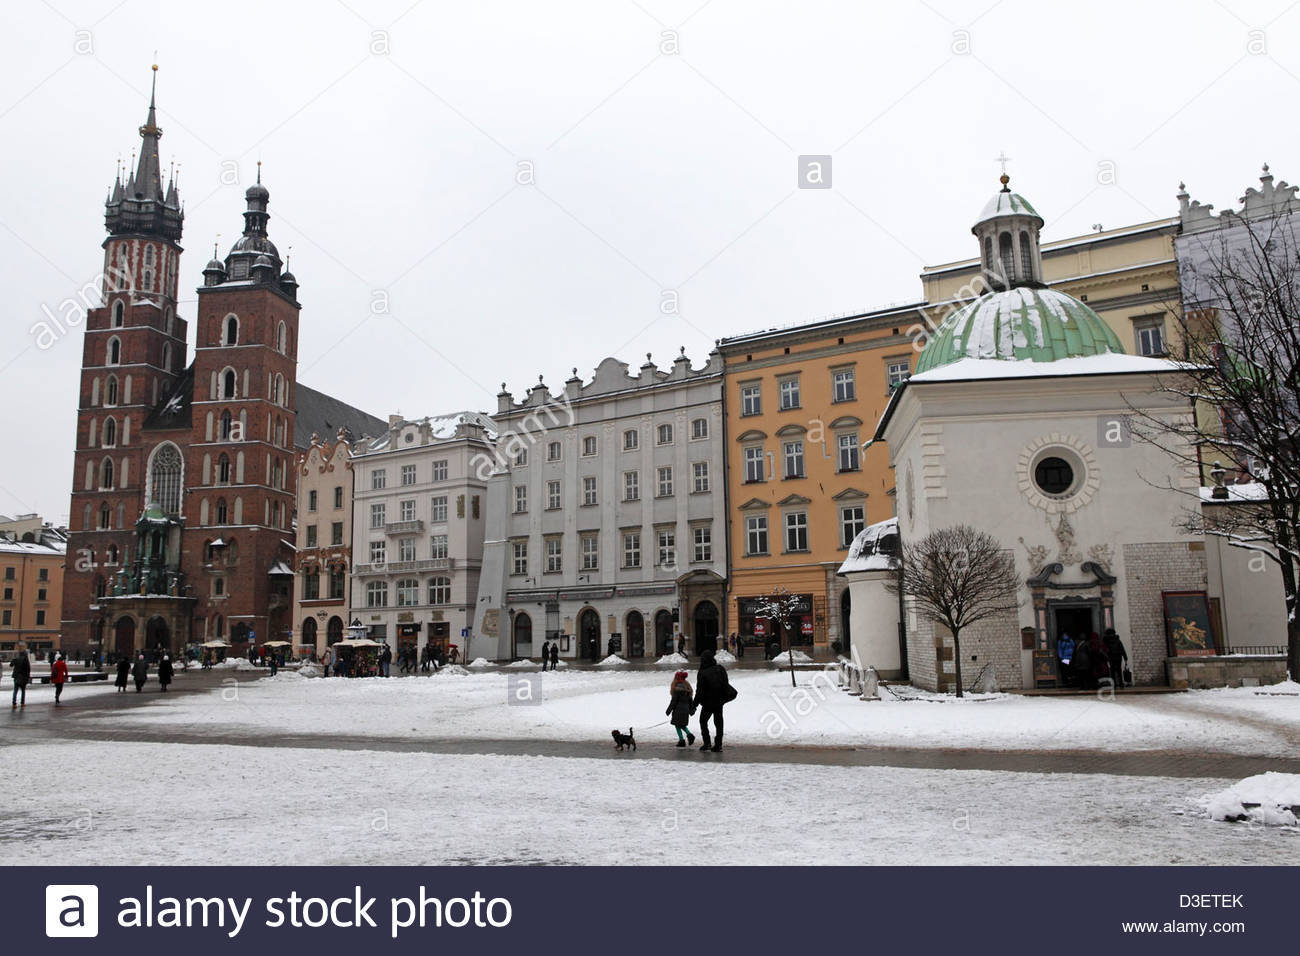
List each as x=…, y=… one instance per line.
x=21, y=672
x=712, y=691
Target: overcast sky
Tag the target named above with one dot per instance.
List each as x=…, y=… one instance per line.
x=663, y=139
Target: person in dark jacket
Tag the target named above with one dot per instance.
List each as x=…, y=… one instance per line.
x=555, y=654
x=140, y=672
x=546, y=653
x=712, y=691
x=680, y=708
x=58, y=677
x=123, y=672
x=1116, y=655
x=1081, y=664
x=21, y=672
x=1100, y=665
x=165, y=672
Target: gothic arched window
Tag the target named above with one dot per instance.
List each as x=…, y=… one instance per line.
x=110, y=392
x=232, y=330
x=119, y=311
x=222, y=513
x=282, y=338
x=228, y=381
x=106, y=474
x=115, y=351
x=164, y=479
x=225, y=425
x=167, y=357
x=110, y=433
x=223, y=469
x=103, y=516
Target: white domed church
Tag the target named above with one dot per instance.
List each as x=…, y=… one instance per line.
x=1016, y=422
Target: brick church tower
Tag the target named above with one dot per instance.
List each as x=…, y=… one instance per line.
x=183, y=485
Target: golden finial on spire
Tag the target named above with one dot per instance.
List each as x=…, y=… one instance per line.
x=1004, y=179
x=259, y=172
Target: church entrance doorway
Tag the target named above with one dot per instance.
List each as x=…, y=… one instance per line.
x=1078, y=618
x=124, y=636
x=157, y=636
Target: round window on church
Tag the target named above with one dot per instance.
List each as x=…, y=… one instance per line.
x=1054, y=476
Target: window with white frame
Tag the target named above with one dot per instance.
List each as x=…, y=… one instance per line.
x=408, y=474
x=553, y=500
x=789, y=397
x=589, y=446
x=754, y=464
x=664, y=475
x=438, y=509
x=796, y=531
x=667, y=548
x=378, y=552
x=631, y=486
x=699, y=429
x=520, y=554
x=407, y=509
x=756, y=535
x=665, y=435
x=589, y=490
x=521, y=499
x=377, y=512
x=521, y=458
x=554, y=451
x=853, y=520
x=843, y=385
x=794, y=459
x=439, y=590
x=406, y=549
x=438, y=547
x=1150, y=336
x=440, y=470
x=751, y=399
x=847, y=442
x=699, y=476
x=631, y=439
x=632, y=549
x=408, y=592
x=702, y=536
x=590, y=552
x=377, y=594
x=897, y=372
x=554, y=555
x=378, y=479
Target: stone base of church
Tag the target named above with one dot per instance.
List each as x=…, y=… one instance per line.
x=1199, y=673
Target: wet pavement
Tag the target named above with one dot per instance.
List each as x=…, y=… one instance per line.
x=40, y=721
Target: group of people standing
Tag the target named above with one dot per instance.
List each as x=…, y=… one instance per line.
x=550, y=654
x=139, y=672
x=1087, y=662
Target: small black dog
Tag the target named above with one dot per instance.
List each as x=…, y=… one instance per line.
x=623, y=740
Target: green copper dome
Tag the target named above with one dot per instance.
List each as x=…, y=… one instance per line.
x=1022, y=324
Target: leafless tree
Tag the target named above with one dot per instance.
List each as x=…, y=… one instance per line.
x=958, y=577
x=1241, y=346
x=783, y=607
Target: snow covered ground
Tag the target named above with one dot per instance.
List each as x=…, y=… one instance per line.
x=585, y=705
x=146, y=803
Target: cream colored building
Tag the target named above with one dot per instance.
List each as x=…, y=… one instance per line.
x=323, y=582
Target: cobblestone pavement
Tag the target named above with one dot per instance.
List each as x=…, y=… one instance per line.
x=41, y=721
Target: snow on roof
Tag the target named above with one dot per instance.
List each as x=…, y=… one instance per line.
x=1250, y=491
x=1108, y=363
x=280, y=568
x=866, y=554
x=50, y=548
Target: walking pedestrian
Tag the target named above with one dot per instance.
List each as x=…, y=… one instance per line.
x=58, y=677
x=546, y=653
x=712, y=691
x=21, y=673
x=680, y=708
x=326, y=660
x=555, y=654
x=165, y=672
x=1064, y=655
x=140, y=672
x=123, y=672
x=1117, y=657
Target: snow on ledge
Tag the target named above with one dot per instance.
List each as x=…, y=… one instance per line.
x=1111, y=363
x=1251, y=491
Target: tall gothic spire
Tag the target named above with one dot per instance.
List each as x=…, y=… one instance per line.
x=140, y=206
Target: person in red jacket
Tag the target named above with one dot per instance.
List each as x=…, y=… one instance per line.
x=58, y=676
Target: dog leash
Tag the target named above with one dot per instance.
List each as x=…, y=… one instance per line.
x=653, y=726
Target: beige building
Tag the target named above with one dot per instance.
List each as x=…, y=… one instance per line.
x=323, y=586
x=32, y=556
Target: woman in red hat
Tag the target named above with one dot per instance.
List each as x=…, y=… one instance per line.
x=680, y=708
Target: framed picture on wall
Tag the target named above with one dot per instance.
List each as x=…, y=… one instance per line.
x=1189, y=629
x=564, y=643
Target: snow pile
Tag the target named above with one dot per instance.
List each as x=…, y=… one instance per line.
x=285, y=677
x=519, y=665
x=455, y=670
x=725, y=657
x=236, y=664
x=612, y=661
x=672, y=660
x=309, y=670
x=479, y=663
x=1268, y=799
x=799, y=658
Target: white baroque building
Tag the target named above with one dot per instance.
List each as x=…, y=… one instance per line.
x=607, y=515
x=419, y=514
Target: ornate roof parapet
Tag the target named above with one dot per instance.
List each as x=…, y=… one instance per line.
x=1266, y=202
